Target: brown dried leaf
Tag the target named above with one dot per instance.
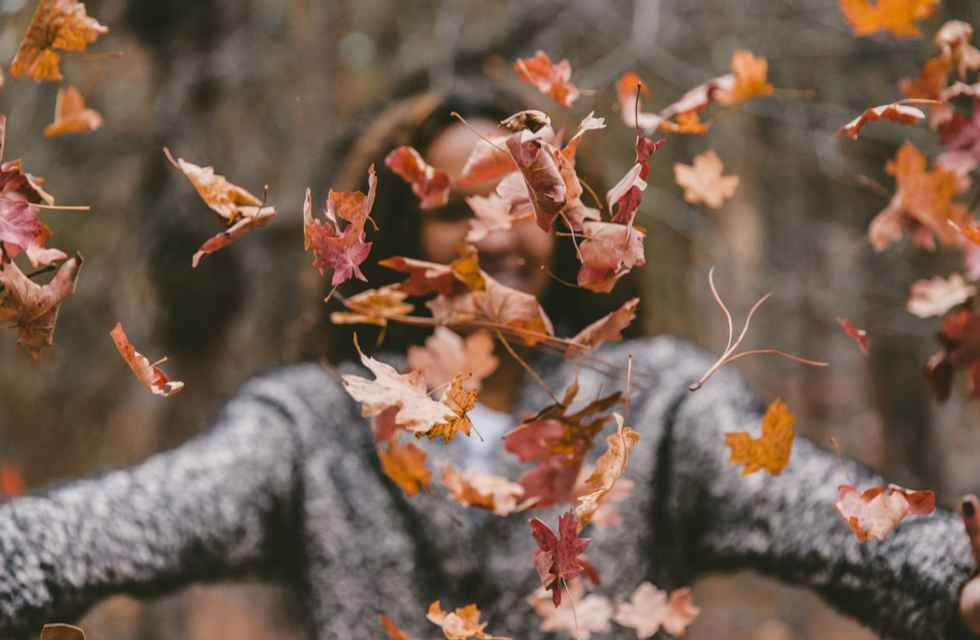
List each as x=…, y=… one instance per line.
x=405, y=465
x=57, y=24
x=937, y=296
x=447, y=355
x=771, y=451
x=475, y=488
x=149, y=375
x=703, y=182
x=33, y=307
x=71, y=115
x=609, y=467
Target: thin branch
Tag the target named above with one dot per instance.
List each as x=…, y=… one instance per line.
x=572, y=605
x=528, y=368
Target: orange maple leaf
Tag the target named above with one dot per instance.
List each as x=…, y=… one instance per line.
x=923, y=203
x=392, y=629
x=750, y=79
x=702, y=181
x=446, y=355
x=57, y=24
x=898, y=16
x=71, y=115
x=405, y=465
x=374, y=306
x=897, y=113
x=550, y=79
x=148, y=374
x=475, y=488
x=459, y=402
x=461, y=624
x=771, y=451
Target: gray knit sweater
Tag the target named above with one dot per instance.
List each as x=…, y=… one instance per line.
x=288, y=486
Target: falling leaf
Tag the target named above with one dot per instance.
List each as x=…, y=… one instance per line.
x=867, y=17
x=374, y=306
x=860, y=335
x=540, y=166
x=149, y=375
x=550, y=79
x=33, y=307
x=930, y=81
x=489, y=160
x=71, y=115
x=429, y=184
x=897, y=113
x=923, y=203
x=238, y=210
x=607, y=515
x=649, y=609
x=960, y=340
x=627, y=194
x=492, y=214
x=459, y=402
x=447, y=355
x=342, y=252
x=605, y=329
x=60, y=631
x=875, y=512
x=461, y=624
x=937, y=296
x=475, y=488
x=750, y=79
x=392, y=629
x=19, y=224
x=57, y=24
x=405, y=465
x=424, y=277
x=36, y=252
x=566, y=159
x=416, y=411
x=628, y=90
x=578, y=616
x=531, y=120
x=703, y=182
x=954, y=39
x=609, y=467
x=556, y=558
x=608, y=252
x=769, y=452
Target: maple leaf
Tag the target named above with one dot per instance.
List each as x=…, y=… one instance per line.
x=71, y=115
x=556, y=558
x=607, y=515
x=769, y=452
x=550, y=79
x=374, y=306
x=148, y=374
x=36, y=252
x=960, y=339
x=923, y=203
x=897, y=113
x=608, y=252
x=750, y=79
x=238, y=210
x=898, y=16
x=649, y=609
x=609, y=467
x=937, y=296
x=33, y=307
x=930, y=81
x=342, y=252
x=57, y=24
x=860, y=335
x=19, y=224
x=461, y=624
x=875, y=512
x=579, y=616
x=488, y=160
x=492, y=214
x=424, y=277
x=429, y=184
x=392, y=629
x=475, y=488
x=459, y=402
x=416, y=411
x=628, y=90
x=604, y=329
x=540, y=166
x=954, y=39
x=447, y=355
x=405, y=466
x=703, y=182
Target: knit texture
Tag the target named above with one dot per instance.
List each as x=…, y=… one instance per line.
x=287, y=486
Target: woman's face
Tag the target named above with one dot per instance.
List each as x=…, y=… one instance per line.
x=513, y=257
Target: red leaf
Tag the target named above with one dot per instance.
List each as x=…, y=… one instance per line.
x=489, y=160
x=608, y=252
x=429, y=184
x=557, y=557
x=897, y=113
x=149, y=375
x=342, y=252
x=860, y=336
x=875, y=512
x=540, y=166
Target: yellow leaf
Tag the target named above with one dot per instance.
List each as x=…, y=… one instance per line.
x=771, y=451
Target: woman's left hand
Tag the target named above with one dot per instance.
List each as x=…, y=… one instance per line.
x=970, y=595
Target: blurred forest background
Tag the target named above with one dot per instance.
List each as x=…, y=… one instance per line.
x=261, y=89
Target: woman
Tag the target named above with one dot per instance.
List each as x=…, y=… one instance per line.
x=288, y=485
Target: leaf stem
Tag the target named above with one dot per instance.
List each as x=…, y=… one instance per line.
x=47, y=269
x=528, y=368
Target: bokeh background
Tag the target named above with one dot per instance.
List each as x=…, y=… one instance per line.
x=263, y=89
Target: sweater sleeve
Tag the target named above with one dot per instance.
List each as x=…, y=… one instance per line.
x=710, y=518
x=219, y=506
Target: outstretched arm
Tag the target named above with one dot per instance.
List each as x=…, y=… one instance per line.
x=711, y=518
x=218, y=506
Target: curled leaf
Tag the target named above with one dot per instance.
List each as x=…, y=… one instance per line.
x=609, y=467
x=860, y=335
x=475, y=488
x=875, y=512
x=897, y=113
x=57, y=24
x=937, y=296
x=429, y=184
x=550, y=79
x=149, y=375
x=332, y=249
x=33, y=307
x=71, y=115
x=405, y=466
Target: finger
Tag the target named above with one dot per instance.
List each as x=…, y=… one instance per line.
x=970, y=512
x=970, y=605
